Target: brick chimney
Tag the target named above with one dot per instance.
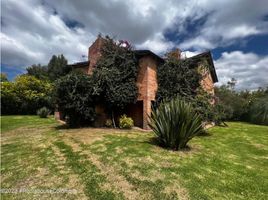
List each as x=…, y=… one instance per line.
x=94, y=53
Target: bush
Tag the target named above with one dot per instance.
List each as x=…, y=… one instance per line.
x=258, y=113
x=125, y=122
x=175, y=123
x=75, y=97
x=25, y=95
x=43, y=112
x=109, y=123
x=177, y=77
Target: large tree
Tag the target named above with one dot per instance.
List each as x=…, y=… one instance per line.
x=4, y=77
x=116, y=75
x=38, y=71
x=177, y=78
x=25, y=95
x=57, y=67
x=75, y=96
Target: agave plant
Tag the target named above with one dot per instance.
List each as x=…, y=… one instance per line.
x=175, y=123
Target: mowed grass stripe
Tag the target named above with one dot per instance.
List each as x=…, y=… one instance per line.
x=89, y=174
x=231, y=163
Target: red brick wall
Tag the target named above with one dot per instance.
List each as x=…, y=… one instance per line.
x=207, y=82
x=94, y=53
x=147, y=85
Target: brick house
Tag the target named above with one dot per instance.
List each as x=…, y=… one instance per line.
x=146, y=81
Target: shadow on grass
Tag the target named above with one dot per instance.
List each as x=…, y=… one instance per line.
x=204, y=133
x=154, y=141
x=66, y=126
x=62, y=126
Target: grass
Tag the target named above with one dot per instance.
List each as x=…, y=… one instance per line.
x=36, y=153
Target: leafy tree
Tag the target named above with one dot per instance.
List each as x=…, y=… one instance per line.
x=33, y=93
x=181, y=79
x=25, y=95
x=116, y=75
x=4, y=77
x=233, y=105
x=258, y=112
x=238, y=105
x=57, y=67
x=10, y=103
x=38, y=71
x=75, y=96
x=201, y=103
x=177, y=78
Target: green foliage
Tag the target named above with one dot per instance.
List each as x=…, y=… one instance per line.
x=201, y=103
x=10, y=102
x=113, y=83
x=234, y=106
x=125, y=122
x=116, y=74
x=258, y=112
x=75, y=96
x=25, y=95
x=109, y=123
x=38, y=71
x=175, y=123
x=3, y=77
x=57, y=67
x=43, y=112
x=241, y=105
x=177, y=78
x=182, y=78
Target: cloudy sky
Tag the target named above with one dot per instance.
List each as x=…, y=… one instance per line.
x=236, y=32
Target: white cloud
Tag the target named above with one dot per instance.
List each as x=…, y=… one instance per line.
x=188, y=54
x=225, y=22
x=156, y=44
x=32, y=34
x=250, y=70
x=197, y=43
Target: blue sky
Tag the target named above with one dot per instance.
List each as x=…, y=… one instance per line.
x=235, y=31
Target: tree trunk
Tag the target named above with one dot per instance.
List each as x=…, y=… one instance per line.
x=113, y=119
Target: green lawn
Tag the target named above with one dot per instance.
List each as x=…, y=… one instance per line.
x=231, y=163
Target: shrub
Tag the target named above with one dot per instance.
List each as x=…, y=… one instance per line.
x=75, y=96
x=175, y=123
x=25, y=95
x=109, y=123
x=177, y=77
x=125, y=122
x=258, y=113
x=116, y=74
x=43, y=112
